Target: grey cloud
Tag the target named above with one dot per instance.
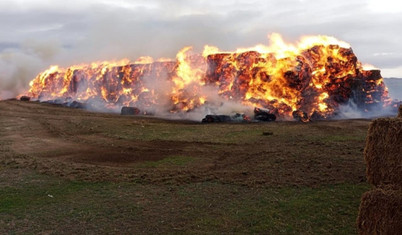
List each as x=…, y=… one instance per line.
x=83, y=31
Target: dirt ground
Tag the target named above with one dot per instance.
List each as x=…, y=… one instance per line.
x=81, y=145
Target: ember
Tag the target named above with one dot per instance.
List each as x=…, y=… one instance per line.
x=310, y=80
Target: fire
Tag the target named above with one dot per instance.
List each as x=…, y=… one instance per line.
x=308, y=79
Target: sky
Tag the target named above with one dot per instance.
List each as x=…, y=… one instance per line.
x=38, y=33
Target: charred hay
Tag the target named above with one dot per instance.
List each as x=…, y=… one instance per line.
x=380, y=212
x=383, y=152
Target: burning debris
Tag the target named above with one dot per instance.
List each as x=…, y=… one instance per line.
x=307, y=81
x=300, y=116
x=264, y=115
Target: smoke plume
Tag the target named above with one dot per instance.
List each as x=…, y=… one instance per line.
x=18, y=66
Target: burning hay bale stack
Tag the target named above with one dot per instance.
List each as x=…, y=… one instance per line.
x=381, y=209
x=311, y=82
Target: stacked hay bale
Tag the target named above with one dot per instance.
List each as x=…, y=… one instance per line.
x=381, y=209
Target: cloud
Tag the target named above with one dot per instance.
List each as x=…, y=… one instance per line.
x=84, y=31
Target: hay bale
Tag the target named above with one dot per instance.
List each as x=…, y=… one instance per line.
x=383, y=152
x=380, y=212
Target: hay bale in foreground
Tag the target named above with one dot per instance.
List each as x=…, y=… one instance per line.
x=380, y=212
x=383, y=152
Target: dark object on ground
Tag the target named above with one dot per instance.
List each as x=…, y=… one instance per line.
x=300, y=116
x=400, y=111
x=130, y=111
x=25, y=98
x=77, y=105
x=380, y=212
x=238, y=117
x=264, y=115
x=57, y=102
x=68, y=102
x=267, y=133
x=216, y=118
x=383, y=152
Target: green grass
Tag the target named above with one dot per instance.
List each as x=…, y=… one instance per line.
x=139, y=128
x=229, y=133
x=43, y=203
x=192, y=203
x=302, y=210
x=189, y=132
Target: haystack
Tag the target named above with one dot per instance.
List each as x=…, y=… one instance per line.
x=383, y=152
x=380, y=212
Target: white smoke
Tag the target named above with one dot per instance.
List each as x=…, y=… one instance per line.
x=394, y=87
x=352, y=111
x=161, y=88
x=18, y=66
x=215, y=105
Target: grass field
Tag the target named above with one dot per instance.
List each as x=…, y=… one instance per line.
x=66, y=171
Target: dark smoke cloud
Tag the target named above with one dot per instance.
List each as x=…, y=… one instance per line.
x=93, y=30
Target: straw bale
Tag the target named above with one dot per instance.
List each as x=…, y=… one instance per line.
x=380, y=212
x=383, y=152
